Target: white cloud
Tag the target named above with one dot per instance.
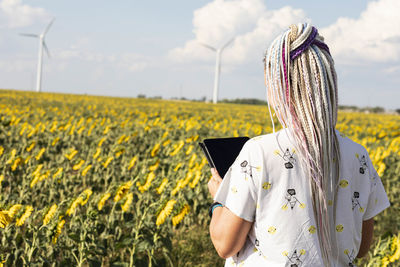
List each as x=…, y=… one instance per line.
x=130, y=62
x=133, y=62
x=374, y=36
x=249, y=21
x=14, y=14
x=272, y=23
x=81, y=55
x=17, y=65
x=221, y=19
x=392, y=70
x=82, y=50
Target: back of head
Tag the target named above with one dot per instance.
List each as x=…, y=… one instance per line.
x=302, y=87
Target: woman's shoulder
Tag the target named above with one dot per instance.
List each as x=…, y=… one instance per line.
x=261, y=142
x=272, y=140
x=348, y=144
x=265, y=138
x=280, y=138
x=261, y=138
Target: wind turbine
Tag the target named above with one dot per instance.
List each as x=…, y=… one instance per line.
x=217, y=66
x=42, y=44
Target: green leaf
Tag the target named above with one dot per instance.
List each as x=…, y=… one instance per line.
x=75, y=237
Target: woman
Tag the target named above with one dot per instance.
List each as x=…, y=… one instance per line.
x=305, y=195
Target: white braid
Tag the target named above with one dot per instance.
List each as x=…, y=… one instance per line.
x=304, y=94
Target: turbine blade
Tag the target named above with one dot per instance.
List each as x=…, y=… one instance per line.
x=208, y=46
x=48, y=26
x=29, y=35
x=46, y=49
x=227, y=43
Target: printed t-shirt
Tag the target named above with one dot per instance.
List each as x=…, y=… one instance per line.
x=266, y=185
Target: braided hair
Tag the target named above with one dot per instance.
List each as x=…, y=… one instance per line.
x=302, y=86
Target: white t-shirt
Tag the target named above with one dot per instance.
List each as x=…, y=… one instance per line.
x=265, y=185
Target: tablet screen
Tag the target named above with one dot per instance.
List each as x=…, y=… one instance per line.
x=223, y=151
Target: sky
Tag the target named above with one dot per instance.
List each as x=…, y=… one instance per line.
x=131, y=47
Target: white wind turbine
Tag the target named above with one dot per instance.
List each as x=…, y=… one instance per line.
x=217, y=66
x=42, y=44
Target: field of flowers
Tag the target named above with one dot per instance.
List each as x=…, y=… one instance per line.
x=101, y=181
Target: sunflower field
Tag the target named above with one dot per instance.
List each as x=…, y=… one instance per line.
x=102, y=181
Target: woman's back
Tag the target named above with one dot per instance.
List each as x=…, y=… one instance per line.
x=267, y=185
x=304, y=192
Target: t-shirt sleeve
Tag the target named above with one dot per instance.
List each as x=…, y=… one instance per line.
x=237, y=190
x=378, y=199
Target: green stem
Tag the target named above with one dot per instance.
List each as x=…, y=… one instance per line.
x=76, y=258
x=137, y=229
x=81, y=259
x=149, y=255
x=32, y=247
x=110, y=216
x=132, y=251
x=81, y=247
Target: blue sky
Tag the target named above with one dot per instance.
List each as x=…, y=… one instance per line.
x=126, y=48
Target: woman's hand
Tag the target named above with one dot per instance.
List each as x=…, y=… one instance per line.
x=214, y=182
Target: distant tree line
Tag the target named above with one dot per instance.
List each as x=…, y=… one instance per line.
x=151, y=97
x=249, y=101
x=256, y=101
x=364, y=109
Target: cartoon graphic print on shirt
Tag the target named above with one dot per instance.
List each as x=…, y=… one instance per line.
x=363, y=163
x=295, y=258
x=292, y=200
x=266, y=185
x=287, y=157
x=374, y=179
x=257, y=247
x=355, y=202
x=255, y=200
x=351, y=256
x=247, y=169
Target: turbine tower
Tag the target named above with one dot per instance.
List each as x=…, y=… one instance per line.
x=217, y=66
x=42, y=44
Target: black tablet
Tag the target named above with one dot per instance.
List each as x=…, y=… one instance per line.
x=222, y=152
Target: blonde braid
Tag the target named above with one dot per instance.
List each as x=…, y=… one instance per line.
x=301, y=78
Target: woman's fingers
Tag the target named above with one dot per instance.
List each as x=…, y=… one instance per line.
x=214, y=182
x=215, y=174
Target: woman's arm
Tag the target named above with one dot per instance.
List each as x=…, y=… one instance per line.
x=228, y=231
x=366, y=239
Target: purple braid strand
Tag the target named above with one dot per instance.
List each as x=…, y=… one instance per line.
x=295, y=53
